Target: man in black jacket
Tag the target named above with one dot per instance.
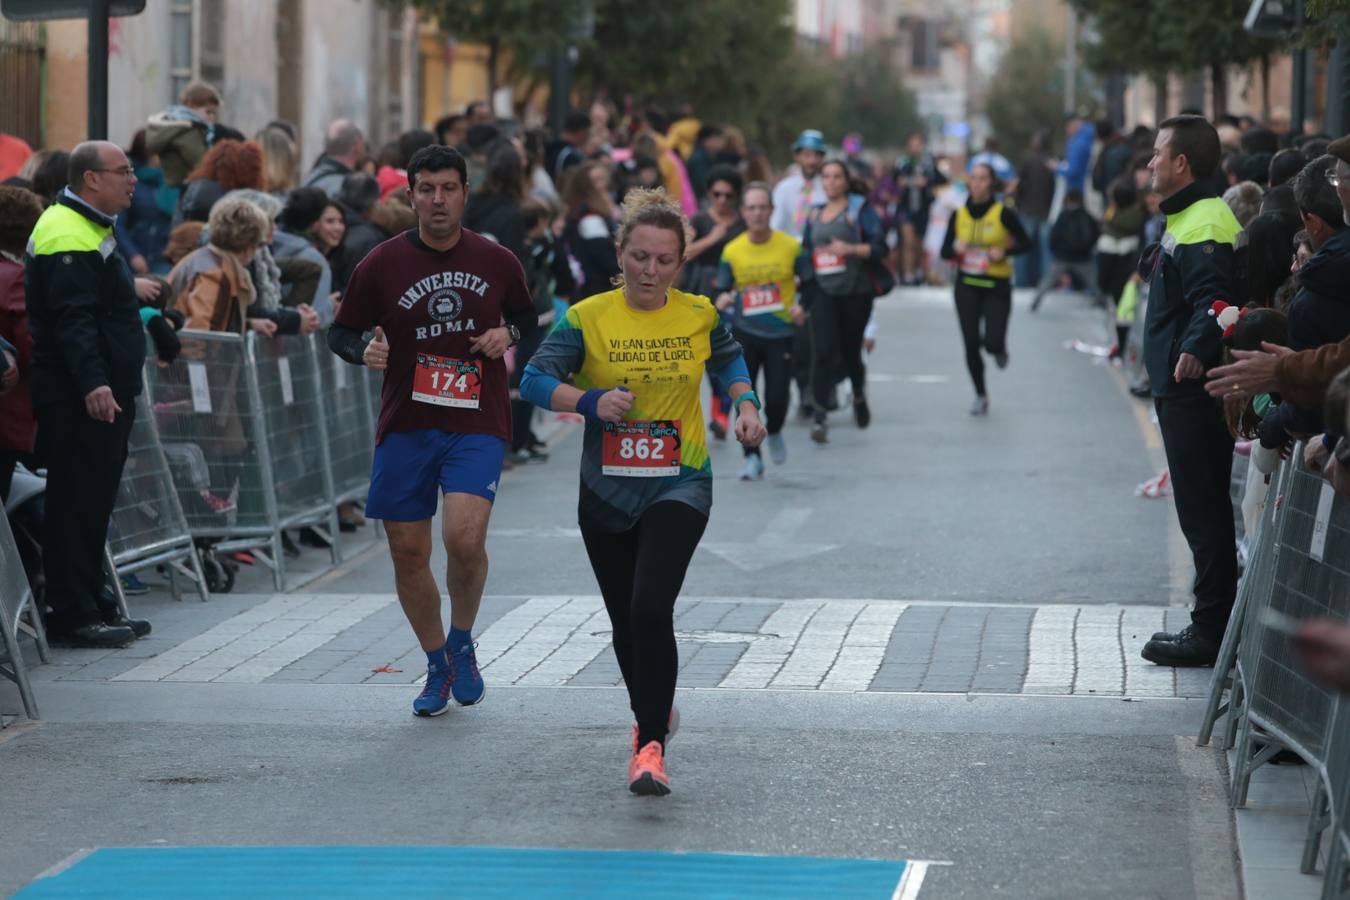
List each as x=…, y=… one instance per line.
x=88, y=349
x=1192, y=268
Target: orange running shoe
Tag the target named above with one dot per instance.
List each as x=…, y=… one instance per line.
x=672, y=726
x=647, y=772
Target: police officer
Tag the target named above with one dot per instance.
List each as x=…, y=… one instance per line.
x=1191, y=269
x=88, y=349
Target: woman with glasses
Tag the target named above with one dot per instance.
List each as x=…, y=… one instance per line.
x=714, y=228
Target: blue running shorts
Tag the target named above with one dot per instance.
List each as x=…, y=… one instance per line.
x=413, y=468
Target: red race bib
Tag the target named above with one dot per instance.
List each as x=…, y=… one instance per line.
x=975, y=262
x=826, y=263
x=641, y=449
x=442, y=381
x=759, y=299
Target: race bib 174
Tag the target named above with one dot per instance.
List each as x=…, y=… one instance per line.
x=442, y=381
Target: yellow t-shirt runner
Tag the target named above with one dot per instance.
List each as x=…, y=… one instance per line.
x=764, y=278
x=659, y=451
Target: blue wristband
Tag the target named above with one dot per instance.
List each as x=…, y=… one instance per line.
x=587, y=403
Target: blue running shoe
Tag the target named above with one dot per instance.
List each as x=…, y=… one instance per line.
x=467, y=684
x=435, y=696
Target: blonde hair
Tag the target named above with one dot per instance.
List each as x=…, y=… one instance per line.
x=653, y=206
x=237, y=224
x=280, y=160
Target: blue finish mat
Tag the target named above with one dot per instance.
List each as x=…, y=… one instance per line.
x=470, y=872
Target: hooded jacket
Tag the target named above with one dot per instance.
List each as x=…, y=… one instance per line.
x=180, y=137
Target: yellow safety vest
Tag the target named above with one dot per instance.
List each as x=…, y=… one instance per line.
x=985, y=233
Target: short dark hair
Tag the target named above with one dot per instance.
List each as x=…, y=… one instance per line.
x=1315, y=195
x=304, y=206
x=480, y=137
x=1259, y=139
x=437, y=158
x=1256, y=168
x=707, y=131
x=409, y=142
x=576, y=121
x=1285, y=165
x=1197, y=140
x=83, y=158
x=359, y=192
x=445, y=124
x=1123, y=193
x=729, y=174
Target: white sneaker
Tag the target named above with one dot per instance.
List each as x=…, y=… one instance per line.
x=980, y=407
x=777, y=449
x=753, y=470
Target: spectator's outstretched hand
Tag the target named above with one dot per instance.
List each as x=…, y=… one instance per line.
x=1252, y=374
x=1324, y=646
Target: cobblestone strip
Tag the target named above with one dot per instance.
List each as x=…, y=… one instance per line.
x=819, y=645
x=863, y=649
x=1099, y=666
x=1143, y=678
x=260, y=642
x=506, y=632
x=1050, y=663
x=551, y=632
x=574, y=654
x=766, y=655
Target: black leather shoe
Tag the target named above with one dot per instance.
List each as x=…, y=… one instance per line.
x=861, y=413
x=139, y=627
x=96, y=635
x=1187, y=649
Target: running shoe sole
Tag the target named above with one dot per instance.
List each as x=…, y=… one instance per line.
x=427, y=715
x=475, y=702
x=647, y=786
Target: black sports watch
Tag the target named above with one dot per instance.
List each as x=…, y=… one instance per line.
x=514, y=332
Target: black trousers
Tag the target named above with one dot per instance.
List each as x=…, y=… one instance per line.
x=838, y=324
x=773, y=356
x=990, y=307
x=84, y=466
x=1199, y=451
x=640, y=573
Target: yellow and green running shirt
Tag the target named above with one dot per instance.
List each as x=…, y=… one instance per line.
x=764, y=278
x=659, y=452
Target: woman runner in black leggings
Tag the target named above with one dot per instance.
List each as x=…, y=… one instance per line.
x=635, y=358
x=981, y=236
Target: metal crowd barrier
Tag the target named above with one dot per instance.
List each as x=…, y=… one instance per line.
x=1299, y=569
x=16, y=605
x=349, y=423
x=242, y=424
x=147, y=526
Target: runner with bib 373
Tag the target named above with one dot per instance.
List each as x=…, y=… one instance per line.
x=445, y=305
x=635, y=358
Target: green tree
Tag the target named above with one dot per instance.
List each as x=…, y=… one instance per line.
x=874, y=101
x=1027, y=93
x=516, y=33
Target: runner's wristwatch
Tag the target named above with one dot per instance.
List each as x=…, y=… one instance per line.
x=748, y=395
x=514, y=334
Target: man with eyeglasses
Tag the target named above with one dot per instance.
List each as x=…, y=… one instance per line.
x=1300, y=378
x=88, y=349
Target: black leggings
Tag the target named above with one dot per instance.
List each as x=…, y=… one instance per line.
x=640, y=572
x=993, y=306
x=839, y=324
x=774, y=356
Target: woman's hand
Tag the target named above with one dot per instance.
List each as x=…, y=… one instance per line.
x=750, y=430
x=960, y=247
x=725, y=300
x=614, y=404
x=147, y=289
x=997, y=254
x=265, y=327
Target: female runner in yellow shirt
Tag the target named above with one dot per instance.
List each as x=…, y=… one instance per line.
x=635, y=358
